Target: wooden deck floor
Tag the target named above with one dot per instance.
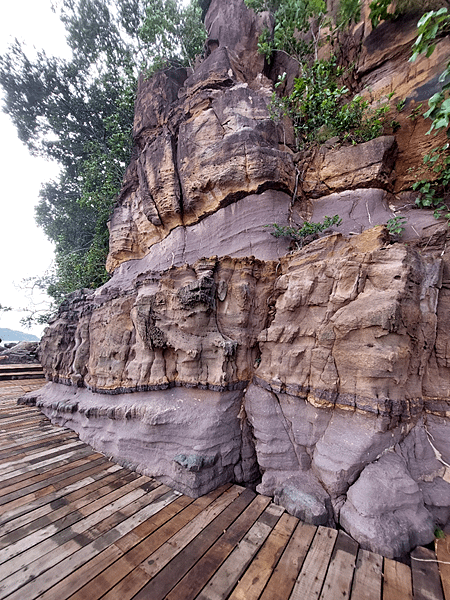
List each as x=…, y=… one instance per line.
x=75, y=525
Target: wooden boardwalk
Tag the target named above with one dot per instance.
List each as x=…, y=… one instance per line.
x=75, y=525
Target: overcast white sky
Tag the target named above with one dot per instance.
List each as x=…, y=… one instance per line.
x=25, y=251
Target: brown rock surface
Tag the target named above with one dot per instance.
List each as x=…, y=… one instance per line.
x=367, y=165
x=321, y=376
x=343, y=324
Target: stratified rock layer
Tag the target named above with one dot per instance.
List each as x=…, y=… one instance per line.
x=320, y=376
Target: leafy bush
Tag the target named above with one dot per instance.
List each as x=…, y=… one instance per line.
x=379, y=12
x=387, y=10
x=435, y=189
x=317, y=110
x=79, y=112
x=174, y=32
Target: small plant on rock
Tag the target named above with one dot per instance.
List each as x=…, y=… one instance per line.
x=396, y=226
x=305, y=234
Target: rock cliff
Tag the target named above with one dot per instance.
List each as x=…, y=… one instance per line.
x=213, y=354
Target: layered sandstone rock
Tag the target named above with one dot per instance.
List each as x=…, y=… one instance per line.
x=213, y=354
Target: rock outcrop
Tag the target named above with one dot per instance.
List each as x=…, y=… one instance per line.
x=320, y=376
x=20, y=353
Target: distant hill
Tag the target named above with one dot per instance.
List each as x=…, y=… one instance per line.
x=11, y=335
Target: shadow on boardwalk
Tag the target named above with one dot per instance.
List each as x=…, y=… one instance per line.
x=75, y=525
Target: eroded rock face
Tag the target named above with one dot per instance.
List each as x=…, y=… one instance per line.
x=368, y=165
x=215, y=146
x=186, y=437
x=386, y=498
x=319, y=376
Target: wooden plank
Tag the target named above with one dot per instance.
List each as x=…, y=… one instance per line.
x=37, y=474
x=64, y=494
x=56, y=534
x=53, y=460
x=25, y=421
x=43, y=573
x=368, y=576
x=18, y=436
x=311, y=577
x=117, y=516
x=127, y=588
x=28, y=461
x=75, y=580
x=75, y=467
x=77, y=559
x=43, y=492
x=100, y=564
x=21, y=434
x=121, y=553
x=36, y=444
x=443, y=555
x=340, y=571
x=174, y=535
x=226, y=577
x=171, y=574
x=259, y=571
x=15, y=409
x=425, y=575
x=397, y=582
x=50, y=514
x=285, y=574
x=30, y=458
x=10, y=442
x=104, y=581
x=12, y=410
x=12, y=427
x=20, y=422
x=195, y=579
x=18, y=417
x=13, y=438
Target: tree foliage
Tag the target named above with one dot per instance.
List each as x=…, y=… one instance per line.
x=292, y=18
x=172, y=32
x=79, y=112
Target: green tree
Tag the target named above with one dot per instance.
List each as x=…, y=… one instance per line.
x=173, y=32
x=79, y=112
x=292, y=18
x=73, y=111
